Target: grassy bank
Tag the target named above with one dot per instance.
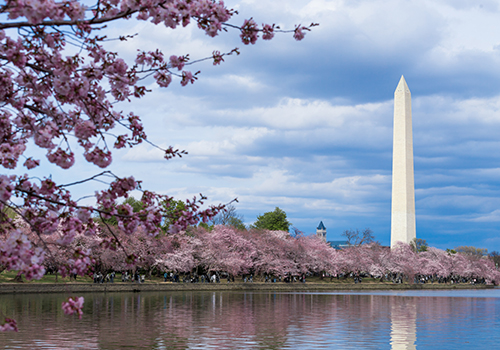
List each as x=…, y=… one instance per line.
x=85, y=285
x=9, y=277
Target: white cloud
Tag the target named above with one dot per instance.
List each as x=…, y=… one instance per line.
x=245, y=82
x=494, y=216
x=216, y=142
x=276, y=126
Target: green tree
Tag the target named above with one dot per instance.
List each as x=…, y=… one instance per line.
x=419, y=245
x=136, y=205
x=172, y=212
x=470, y=250
x=6, y=214
x=272, y=220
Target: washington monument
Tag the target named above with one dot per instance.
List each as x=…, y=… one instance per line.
x=403, y=187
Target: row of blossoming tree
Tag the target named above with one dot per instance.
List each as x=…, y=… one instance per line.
x=225, y=249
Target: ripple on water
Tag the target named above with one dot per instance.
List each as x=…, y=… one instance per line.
x=266, y=320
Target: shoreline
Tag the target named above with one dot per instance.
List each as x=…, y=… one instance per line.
x=15, y=288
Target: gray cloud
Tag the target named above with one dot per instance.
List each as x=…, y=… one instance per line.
x=307, y=126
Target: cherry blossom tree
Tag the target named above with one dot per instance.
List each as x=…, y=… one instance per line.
x=477, y=266
x=180, y=254
x=273, y=252
x=403, y=260
x=226, y=249
x=380, y=258
x=317, y=254
x=436, y=262
x=356, y=259
x=59, y=88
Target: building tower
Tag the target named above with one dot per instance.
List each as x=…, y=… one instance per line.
x=403, y=188
x=321, y=231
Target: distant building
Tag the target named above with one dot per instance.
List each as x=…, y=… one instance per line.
x=321, y=231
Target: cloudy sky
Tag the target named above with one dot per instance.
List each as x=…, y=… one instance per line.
x=307, y=126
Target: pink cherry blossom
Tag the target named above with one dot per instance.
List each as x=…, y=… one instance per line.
x=178, y=61
x=268, y=31
x=299, y=33
x=249, y=32
x=217, y=57
x=31, y=163
x=163, y=78
x=85, y=129
x=73, y=305
x=187, y=77
x=62, y=158
x=18, y=253
x=8, y=325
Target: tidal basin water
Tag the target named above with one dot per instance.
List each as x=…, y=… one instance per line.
x=466, y=319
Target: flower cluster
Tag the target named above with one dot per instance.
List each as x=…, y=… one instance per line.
x=217, y=57
x=73, y=305
x=8, y=325
x=17, y=253
x=299, y=33
x=78, y=264
x=268, y=31
x=249, y=32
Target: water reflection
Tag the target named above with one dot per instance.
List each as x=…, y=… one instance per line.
x=403, y=323
x=223, y=320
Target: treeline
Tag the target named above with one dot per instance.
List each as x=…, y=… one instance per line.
x=225, y=249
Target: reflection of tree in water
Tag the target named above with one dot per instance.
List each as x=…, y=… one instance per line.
x=225, y=320
x=170, y=320
x=43, y=325
x=191, y=319
x=228, y=320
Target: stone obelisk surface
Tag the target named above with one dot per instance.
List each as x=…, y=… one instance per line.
x=403, y=188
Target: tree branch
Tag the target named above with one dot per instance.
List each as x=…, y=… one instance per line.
x=70, y=22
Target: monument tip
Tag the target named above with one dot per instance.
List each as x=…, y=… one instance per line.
x=402, y=86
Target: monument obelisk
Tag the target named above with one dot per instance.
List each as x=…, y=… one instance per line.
x=403, y=187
